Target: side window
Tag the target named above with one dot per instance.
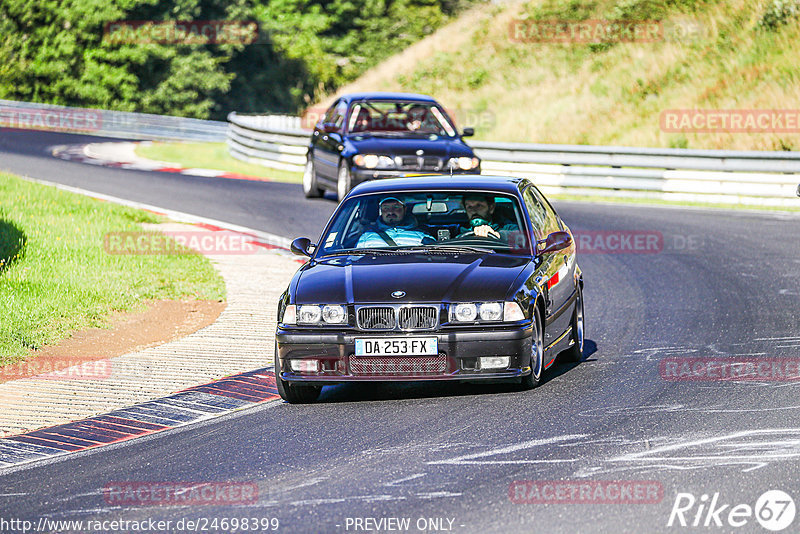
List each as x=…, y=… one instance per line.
x=551, y=221
x=537, y=213
x=329, y=114
x=339, y=112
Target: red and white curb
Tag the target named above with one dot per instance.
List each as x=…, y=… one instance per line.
x=192, y=405
x=123, y=156
x=188, y=406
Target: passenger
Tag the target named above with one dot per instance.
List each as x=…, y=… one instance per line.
x=394, y=227
x=480, y=212
x=363, y=121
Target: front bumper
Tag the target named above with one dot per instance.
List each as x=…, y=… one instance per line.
x=460, y=348
x=359, y=175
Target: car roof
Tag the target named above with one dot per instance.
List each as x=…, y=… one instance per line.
x=378, y=95
x=443, y=182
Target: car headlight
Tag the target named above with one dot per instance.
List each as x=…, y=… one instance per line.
x=334, y=314
x=373, y=161
x=486, y=312
x=463, y=313
x=316, y=314
x=309, y=315
x=464, y=163
x=512, y=312
x=490, y=311
x=290, y=314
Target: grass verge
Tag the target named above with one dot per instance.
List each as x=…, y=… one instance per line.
x=492, y=71
x=211, y=156
x=55, y=276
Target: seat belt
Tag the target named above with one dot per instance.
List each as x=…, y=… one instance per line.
x=385, y=237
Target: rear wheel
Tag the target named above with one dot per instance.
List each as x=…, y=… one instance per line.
x=537, y=353
x=345, y=182
x=310, y=187
x=575, y=352
x=293, y=393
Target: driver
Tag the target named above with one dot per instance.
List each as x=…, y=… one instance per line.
x=416, y=117
x=394, y=228
x=480, y=212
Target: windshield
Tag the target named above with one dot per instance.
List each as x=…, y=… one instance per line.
x=399, y=118
x=427, y=221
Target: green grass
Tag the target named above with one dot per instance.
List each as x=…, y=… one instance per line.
x=211, y=156
x=55, y=276
x=726, y=54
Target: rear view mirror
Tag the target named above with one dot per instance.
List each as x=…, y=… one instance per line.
x=302, y=246
x=554, y=242
x=435, y=207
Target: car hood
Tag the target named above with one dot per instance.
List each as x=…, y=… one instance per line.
x=402, y=146
x=423, y=278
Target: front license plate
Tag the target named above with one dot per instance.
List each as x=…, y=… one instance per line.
x=398, y=346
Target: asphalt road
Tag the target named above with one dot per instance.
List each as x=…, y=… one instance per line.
x=444, y=456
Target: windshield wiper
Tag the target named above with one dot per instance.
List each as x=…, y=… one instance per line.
x=448, y=248
x=359, y=252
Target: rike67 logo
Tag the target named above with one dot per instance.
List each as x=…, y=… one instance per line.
x=774, y=510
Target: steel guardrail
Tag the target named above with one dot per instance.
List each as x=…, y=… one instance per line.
x=120, y=124
x=746, y=177
x=279, y=141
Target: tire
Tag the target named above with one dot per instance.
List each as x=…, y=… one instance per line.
x=310, y=187
x=344, y=183
x=293, y=393
x=537, y=353
x=575, y=352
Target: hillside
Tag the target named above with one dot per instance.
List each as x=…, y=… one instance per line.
x=725, y=55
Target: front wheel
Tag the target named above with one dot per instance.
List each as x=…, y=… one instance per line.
x=293, y=393
x=575, y=352
x=537, y=353
x=310, y=187
x=345, y=181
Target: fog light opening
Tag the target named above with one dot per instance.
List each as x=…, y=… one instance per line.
x=304, y=366
x=495, y=362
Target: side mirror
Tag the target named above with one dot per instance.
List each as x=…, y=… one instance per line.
x=330, y=127
x=468, y=132
x=302, y=246
x=554, y=242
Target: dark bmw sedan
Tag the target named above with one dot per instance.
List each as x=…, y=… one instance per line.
x=436, y=278
x=364, y=136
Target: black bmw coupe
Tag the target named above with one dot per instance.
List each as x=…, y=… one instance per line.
x=435, y=278
x=364, y=136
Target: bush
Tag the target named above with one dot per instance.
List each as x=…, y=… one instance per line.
x=777, y=13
